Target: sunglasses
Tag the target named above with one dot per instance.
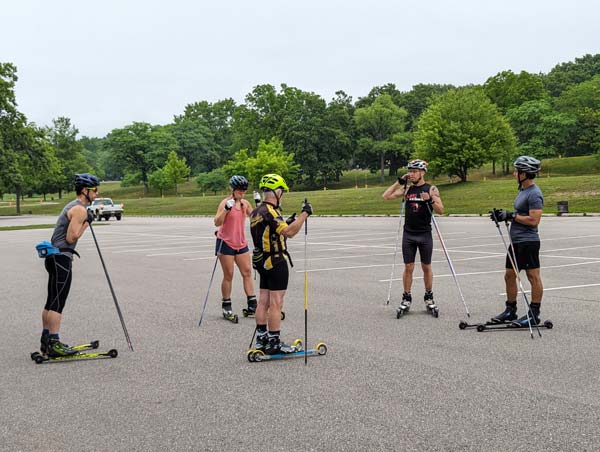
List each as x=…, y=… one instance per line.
x=94, y=189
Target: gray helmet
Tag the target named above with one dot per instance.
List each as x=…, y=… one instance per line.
x=238, y=183
x=528, y=164
x=85, y=180
x=417, y=164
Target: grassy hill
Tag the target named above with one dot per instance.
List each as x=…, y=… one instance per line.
x=574, y=179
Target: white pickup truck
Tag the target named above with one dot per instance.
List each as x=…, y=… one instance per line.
x=105, y=208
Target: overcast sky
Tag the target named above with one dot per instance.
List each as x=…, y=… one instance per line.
x=107, y=63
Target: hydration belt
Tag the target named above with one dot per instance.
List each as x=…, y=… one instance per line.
x=46, y=249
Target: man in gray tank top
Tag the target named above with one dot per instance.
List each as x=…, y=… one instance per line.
x=525, y=240
x=70, y=226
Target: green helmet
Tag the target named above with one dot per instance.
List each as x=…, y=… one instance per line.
x=272, y=182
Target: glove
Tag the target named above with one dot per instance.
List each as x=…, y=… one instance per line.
x=257, y=199
x=291, y=218
x=229, y=204
x=502, y=215
x=90, y=216
x=402, y=180
x=306, y=207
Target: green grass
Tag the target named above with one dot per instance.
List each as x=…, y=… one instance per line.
x=29, y=226
x=477, y=197
x=573, y=179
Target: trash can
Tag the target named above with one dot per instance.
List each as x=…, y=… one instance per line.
x=563, y=207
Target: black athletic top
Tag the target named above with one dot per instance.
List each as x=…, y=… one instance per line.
x=418, y=216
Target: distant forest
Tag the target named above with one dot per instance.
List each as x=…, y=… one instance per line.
x=284, y=129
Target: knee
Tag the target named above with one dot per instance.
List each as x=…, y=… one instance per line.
x=509, y=276
x=409, y=268
x=227, y=275
x=426, y=268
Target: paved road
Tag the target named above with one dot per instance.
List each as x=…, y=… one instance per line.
x=414, y=384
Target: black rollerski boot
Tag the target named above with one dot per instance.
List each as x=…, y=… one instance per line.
x=534, y=317
x=404, y=305
x=251, y=309
x=276, y=347
x=430, y=304
x=262, y=340
x=44, y=343
x=228, y=313
x=57, y=349
x=508, y=315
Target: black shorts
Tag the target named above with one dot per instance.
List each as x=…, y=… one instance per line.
x=58, y=267
x=411, y=242
x=528, y=255
x=276, y=278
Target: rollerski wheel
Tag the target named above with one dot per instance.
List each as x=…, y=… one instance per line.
x=321, y=348
x=481, y=328
x=298, y=345
x=548, y=324
x=246, y=312
x=462, y=325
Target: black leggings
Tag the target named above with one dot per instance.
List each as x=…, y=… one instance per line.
x=59, y=281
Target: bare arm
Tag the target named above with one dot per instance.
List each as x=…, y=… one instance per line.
x=78, y=224
x=438, y=206
x=221, y=212
x=295, y=227
x=394, y=191
x=533, y=219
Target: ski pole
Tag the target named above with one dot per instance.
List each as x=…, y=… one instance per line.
x=305, y=287
x=513, y=262
x=253, y=335
x=112, y=291
x=441, y=239
x=210, y=282
x=395, y=250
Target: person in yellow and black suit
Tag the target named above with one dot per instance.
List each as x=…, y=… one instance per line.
x=270, y=259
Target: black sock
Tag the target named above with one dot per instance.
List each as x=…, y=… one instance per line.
x=261, y=329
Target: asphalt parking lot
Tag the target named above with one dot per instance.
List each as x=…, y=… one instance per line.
x=414, y=384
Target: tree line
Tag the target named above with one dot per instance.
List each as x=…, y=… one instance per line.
x=307, y=139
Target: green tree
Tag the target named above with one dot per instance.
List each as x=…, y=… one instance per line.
x=508, y=90
x=270, y=158
x=564, y=75
x=141, y=148
x=176, y=170
x=463, y=130
x=583, y=102
x=196, y=143
x=159, y=180
x=214, y=181
x=380, y=127
x=22, y=146
x=69, y=151
x=541, y=131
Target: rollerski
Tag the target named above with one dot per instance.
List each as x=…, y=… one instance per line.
x=296, y=350
x=430, y=304
x=228, y=313
x=250, y=311
x=508, y=315
x=78, y=348
x=40, y=359
x=404, y=305
x=515, y=326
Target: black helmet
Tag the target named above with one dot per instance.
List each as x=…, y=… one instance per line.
x=85, y=180
x=238, y=183
x=528, y=164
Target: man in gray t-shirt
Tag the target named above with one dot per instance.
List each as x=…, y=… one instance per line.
x=525, y=240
